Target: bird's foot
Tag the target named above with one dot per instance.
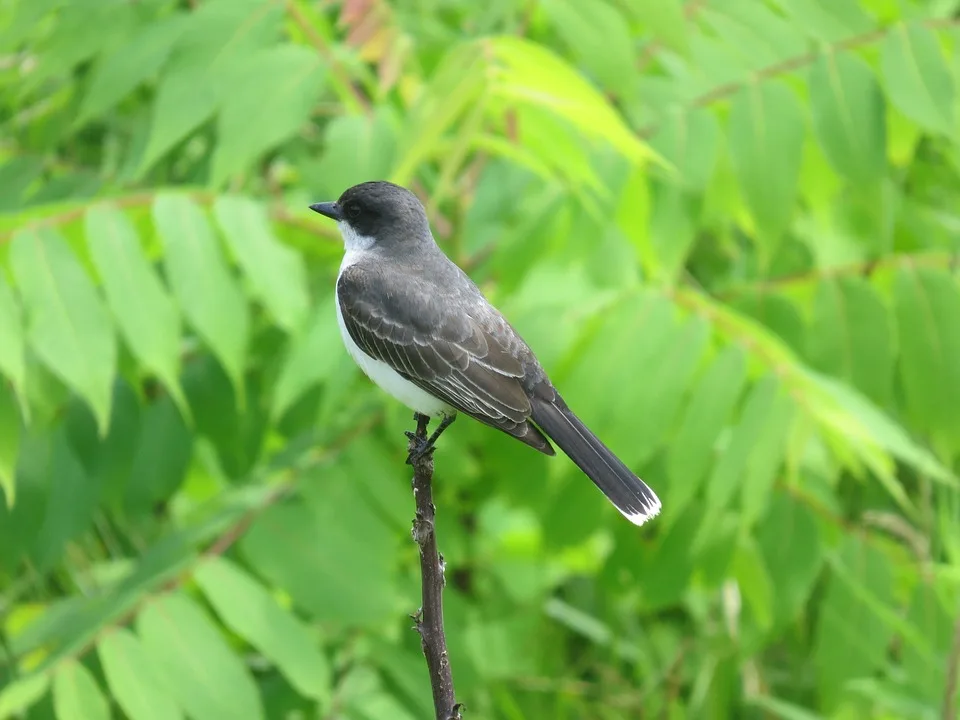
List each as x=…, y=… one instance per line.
x=421, y=447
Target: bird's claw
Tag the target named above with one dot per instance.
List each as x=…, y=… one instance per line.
x=422, y=449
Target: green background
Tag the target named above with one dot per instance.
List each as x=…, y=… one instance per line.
x=727, y=227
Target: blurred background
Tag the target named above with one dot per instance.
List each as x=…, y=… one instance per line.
x=728, y=228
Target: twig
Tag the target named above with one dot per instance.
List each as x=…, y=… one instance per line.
x=925, y=259
x=795, y=63
x=429, y=618
x=142, y=199
x=953, y=667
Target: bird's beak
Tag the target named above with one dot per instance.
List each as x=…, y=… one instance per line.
x=330, y=209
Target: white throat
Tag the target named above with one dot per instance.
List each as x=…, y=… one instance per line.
x=353, y=242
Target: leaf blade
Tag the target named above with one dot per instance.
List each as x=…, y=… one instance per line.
x=119, y=73
x=247, y=608
x=766, y=121
x=849, y=116
x=273, y=95
x=277, y=272
x=76, y=695
x=917, y=78
x=12, y=341
x=194, y=662
x=68, y=326
x=9, y=443
x=202, y=283
x=147, y=317
x=133, y=679
x=534, y=75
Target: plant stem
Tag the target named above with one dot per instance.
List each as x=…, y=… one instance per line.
x=429, y=619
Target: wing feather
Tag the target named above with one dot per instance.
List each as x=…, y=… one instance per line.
x=445, y=353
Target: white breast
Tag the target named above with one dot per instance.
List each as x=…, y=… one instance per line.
x=383, y=375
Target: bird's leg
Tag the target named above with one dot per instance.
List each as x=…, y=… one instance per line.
x=417, y=438
x=423, y=444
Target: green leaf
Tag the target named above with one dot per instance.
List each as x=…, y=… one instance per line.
x=17, y=178
x=766, y=456
x=599, y=37
x=664, y=20
x=789, y=539
x=236, y=435
x=555, y=144
x=754, y=582
x=927, y=305
x=76, y=695
x=829, y=21
x=629, y=336
x=671, y=560
x=355, y=149
x=860, y=423
x=12, y=343
x=353, y=543
x=766, y=122
x=755, y=32
x=271, y=97
x=77, y=36
x=778, y=314
x=501, y=648
x=9, y=442
x=134, y=681
x=119, y=73
x=220, y=35
x=668, y=376
x=313, y=358
x=532, y=74
x=276, y=272
x=185, y=99
x=929, y=614
x=147, y=317
x=162, y=454
x=917, y=77
x=851, y=336
x=672, y=229
x=73, y=501
x=848, y=116
x=68, y=326
x=851, y=641
x=194, y=662
x=690, y=141
x=711, y=402
x=247, y=608
x=734, y=461
x=206, y=291
x=20, y=695
x=580, y=622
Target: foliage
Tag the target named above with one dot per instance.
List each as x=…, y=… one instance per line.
x=728, y=230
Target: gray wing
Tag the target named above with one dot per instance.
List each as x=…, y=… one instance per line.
x=446, y=353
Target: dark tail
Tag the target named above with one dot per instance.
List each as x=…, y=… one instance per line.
x=631, y=496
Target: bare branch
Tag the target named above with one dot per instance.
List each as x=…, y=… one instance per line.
x=429, y=618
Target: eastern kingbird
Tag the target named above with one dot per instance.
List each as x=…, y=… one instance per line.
x=422, y=330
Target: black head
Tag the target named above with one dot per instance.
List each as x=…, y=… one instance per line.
x=379, y=210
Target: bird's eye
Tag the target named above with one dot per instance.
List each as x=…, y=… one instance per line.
x=353, y=210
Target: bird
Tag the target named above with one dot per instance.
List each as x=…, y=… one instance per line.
x=421, y=329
